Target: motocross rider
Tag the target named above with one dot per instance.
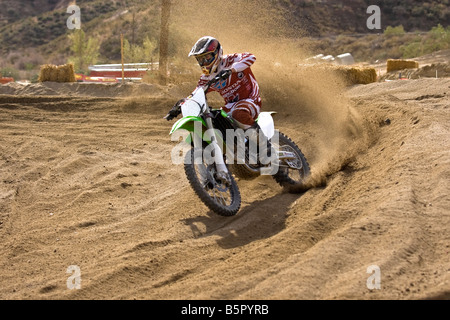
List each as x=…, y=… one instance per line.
x=239, y=88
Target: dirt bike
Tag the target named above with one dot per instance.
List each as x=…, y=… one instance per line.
x=217, y=148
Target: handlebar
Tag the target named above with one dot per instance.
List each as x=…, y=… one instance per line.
x=224, y=74
x=175, y=111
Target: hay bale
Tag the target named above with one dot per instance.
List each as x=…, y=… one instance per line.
x=62, y=73
x=398, y=64
x=357, y=75
x=43, y=74
x=54, y=74
x=66, y=73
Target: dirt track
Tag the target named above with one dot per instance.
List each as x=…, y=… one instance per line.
x=86, y=180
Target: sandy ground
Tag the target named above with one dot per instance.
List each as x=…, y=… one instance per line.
x=86, y=180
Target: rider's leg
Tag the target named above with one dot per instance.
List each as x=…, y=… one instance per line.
x=263, y=141
x=246, y=112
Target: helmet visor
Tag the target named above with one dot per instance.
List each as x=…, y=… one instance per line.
x=206, y=59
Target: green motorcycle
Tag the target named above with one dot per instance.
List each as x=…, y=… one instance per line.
x=216, y=150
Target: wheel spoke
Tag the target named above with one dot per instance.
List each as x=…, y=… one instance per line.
x=219, y=196
x=291, y=172
x=222, y=197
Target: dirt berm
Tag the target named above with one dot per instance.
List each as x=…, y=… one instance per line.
x=86, y=180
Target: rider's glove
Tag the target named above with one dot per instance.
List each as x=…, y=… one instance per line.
x=175, y=111
x=224, y=74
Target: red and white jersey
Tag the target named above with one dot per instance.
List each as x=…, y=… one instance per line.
x=241, y=84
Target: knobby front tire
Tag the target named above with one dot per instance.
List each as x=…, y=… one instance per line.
x=223, y=200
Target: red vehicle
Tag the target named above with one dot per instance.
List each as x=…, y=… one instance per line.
x=6, y=80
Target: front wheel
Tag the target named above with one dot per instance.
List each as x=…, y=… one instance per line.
x=223, y=199
x=293, y=173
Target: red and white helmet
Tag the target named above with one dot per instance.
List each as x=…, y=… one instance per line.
x=208, y=52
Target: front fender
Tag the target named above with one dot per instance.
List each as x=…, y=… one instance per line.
x=186, y=123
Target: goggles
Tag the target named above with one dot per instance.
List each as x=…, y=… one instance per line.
x=206, y=59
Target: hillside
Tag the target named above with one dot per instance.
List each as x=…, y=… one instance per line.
x=25, y=24
x=33, y=33
x=330, y=17
x=44, y=21
x=319, y=18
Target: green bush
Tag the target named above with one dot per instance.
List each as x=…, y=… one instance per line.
x=9, y=72
x=438, y=38
x=34, y=78
x=394, y=31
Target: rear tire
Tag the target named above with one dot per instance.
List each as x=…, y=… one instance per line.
x=223, y=200
x=292, y=180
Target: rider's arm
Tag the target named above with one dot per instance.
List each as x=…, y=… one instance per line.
x=201, y=83
x=242, y=61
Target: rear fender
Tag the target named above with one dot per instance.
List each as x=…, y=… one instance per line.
x=266, y=123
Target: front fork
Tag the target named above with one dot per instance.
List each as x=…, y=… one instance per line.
x=222, y=170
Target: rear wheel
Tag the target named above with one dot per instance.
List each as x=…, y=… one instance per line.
x=222, y=198
x=292, y=173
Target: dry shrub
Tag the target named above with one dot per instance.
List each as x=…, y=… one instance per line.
x=62, y=73
x=398, y=64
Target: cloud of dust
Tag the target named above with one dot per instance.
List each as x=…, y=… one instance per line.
x=328, y=130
